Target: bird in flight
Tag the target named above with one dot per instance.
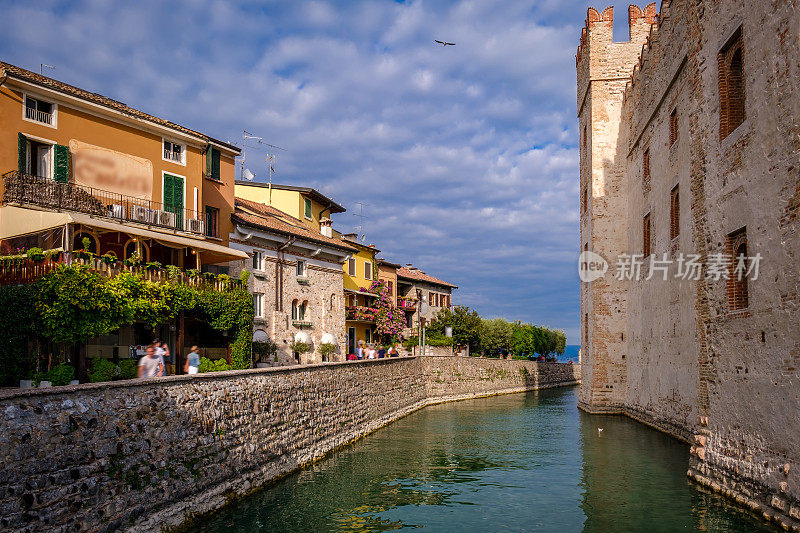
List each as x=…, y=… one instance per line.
x=444, y=43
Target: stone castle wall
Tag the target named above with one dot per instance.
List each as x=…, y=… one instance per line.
x=147, y=455
x=726, y=380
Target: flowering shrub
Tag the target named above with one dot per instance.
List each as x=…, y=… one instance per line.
x=389, y=320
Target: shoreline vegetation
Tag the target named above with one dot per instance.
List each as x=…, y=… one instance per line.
x=493, y=337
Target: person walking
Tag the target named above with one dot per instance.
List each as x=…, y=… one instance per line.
x=193, y=361
x=150, y=364
x=371, y=352
x=162, y=351
x=360, y=350
x=392, y=351
x=381, y=352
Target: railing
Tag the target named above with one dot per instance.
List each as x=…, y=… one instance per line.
x=24, y=271
x=360, y=313
x=173, y=156
x=21, y=188
x=406, y=303
x=39, y=116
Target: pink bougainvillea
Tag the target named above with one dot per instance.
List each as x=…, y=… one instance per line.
x=389, y=320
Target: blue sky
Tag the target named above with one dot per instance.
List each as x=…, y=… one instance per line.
x=466, y=156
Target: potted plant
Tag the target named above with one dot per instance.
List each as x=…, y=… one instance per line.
x=193, y=273
x=84, y=253
x=109, y=258
x=134, y=260
x=153, y=266
x=35, y=254
x=326, y=350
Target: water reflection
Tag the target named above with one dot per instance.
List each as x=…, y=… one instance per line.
x=517, y=462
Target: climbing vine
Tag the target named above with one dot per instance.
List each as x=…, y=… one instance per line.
x=75, y=303
x=389, y=320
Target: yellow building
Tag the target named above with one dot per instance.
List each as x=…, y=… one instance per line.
x=360, y=270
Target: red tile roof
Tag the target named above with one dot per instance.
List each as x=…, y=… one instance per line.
x=419, y=275
x=49, y=83
x=267, y=217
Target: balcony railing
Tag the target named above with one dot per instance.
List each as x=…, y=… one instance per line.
x=23, y=188
x=39, y=116
x=173, y=156
x=23, y=271
x=406, y=304
x=360, y=313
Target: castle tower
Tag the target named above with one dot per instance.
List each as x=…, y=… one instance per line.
x=604, y=67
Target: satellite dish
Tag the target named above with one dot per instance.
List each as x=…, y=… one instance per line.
x=248, y=175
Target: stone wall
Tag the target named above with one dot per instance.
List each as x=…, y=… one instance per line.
x=278, y=284
x=677, y=354
x=146, y=455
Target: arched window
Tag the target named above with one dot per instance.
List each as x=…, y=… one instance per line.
x=332, y=301
x=93, y=242
x=130, y=248
x=731, y=85
x=301, y=311
x=295, y=310
x=737, y=278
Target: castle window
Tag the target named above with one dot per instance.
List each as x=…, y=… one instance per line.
x=258, y=258
x=731, y=85
x=258, y=306
x=646, y=241
x=584, y=138
x=737, y=281
x=673, y=126
x=646, y=169
x=674, y=213
x=301, y=268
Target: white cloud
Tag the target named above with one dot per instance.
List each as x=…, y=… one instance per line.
x=465, y=155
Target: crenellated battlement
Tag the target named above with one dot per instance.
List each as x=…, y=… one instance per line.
x=651, y=40
x=599, y=27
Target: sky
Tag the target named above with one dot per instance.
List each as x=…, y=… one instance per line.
x=465, y=157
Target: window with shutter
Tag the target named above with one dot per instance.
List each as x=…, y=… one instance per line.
x=61, y=163
x=215, y=172
x=351, y=266
x=22, y=152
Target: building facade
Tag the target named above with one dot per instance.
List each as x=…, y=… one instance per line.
x=421, y=295
x=296, y=282
x=360, y=270
x=689, y=155
x=84, y=172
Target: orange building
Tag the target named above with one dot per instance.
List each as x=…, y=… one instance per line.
x=81, y=172
x=93, y=168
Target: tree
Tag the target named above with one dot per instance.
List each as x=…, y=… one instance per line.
x=495, y=336
x=466, y=324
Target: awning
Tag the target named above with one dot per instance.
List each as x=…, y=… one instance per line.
x=18, y=221
x=21, y=221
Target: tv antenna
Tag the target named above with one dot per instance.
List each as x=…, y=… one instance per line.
x=245, y=173
x=43, y=66
x=361, y=216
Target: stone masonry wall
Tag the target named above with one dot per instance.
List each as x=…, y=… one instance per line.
x=692, y=364
x=146, y=455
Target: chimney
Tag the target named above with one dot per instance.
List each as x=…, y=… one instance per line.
x=326, y=227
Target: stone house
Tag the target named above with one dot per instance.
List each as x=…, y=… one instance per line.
x=296, y=281
x=688, y=150
x=421, y=295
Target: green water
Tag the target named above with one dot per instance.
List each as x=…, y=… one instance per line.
x=508, y=463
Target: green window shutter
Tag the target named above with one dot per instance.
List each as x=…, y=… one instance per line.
x=308, y=208
x=215, y=173
x=61, y=164
x=209, y=159
x=168, y=187
x=22, y=149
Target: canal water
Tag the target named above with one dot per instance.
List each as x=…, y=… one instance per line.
x=517, y=462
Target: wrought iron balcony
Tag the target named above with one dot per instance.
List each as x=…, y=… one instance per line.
x=360, y=313
x=26, y=189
